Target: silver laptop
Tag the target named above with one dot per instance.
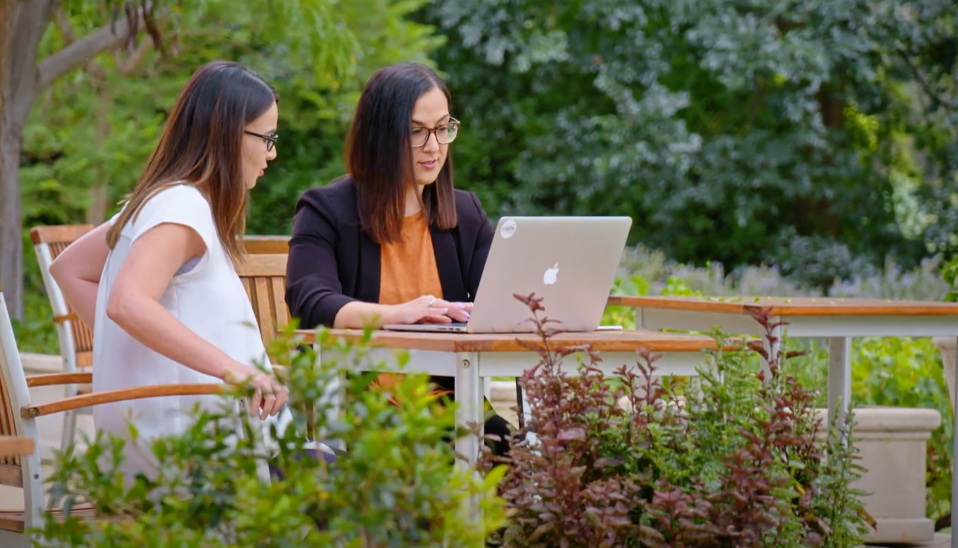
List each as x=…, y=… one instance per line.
x=570, y=262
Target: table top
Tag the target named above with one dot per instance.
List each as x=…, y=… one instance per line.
x=791, y=306
x=600, y=341
x=11, y=446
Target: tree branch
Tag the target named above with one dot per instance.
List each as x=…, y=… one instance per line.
x=77, y=54
x=66, y=29
x=30, y=20
x=937, y=100
x=132, y=63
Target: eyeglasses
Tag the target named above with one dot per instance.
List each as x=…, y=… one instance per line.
x=445, y=134
x=270, y=138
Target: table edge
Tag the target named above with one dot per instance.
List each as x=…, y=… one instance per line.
x=500, y=346
x=744, y=308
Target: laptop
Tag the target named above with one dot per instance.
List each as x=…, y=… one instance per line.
x=570, y=262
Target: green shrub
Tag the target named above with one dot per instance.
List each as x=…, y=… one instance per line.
x=896, y=372
x=949, y=274
x=397, y=487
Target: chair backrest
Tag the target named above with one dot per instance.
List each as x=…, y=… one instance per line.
x=17, y=471
x=264, y=278
x=259, y=245
x=76, y=340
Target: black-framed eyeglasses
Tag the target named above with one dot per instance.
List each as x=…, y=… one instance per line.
x=445, y=134
x=269, y=138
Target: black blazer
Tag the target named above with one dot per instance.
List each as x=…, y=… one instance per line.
x=332, y=261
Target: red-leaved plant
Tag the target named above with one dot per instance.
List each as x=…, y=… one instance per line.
x=735, y=459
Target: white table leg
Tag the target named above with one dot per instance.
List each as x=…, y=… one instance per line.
x=337, y=396
x=468, y=403
x=839, y=378
x=954, y=470
x=334, y=396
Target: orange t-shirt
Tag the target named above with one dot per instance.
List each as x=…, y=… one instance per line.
x=408, y=271
x=408, y=268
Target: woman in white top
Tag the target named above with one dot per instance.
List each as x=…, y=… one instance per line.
x=157, y=282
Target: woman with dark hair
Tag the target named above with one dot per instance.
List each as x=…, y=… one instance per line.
x=157, y=282
x=393, y=242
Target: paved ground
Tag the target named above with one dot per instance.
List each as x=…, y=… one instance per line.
x=940, y=541
x=503, y=410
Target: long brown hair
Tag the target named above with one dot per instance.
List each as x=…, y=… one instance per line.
x=202, y=145
x=381, y=165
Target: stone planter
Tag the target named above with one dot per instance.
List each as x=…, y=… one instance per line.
x=892, y=443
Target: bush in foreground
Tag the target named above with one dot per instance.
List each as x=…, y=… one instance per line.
x=736, y=458
x=396, y=488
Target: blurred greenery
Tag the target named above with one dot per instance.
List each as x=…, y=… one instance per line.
x=816, y=136
x=396, y=487
x=794, y=147
x=898, y=373
x=895, y=372
x=91, y=132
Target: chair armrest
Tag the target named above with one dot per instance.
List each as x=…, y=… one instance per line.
x=11, y=446
x=66, y=318
x=53, y=379
x=126, y=394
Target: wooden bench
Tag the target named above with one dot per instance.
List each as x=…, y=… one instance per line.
x=259, y=245
x=264, y=278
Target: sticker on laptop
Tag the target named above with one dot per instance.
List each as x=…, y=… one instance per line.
x=508, y=229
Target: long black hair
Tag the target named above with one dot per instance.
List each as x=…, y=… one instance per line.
x=381, y=167
x=202, y=145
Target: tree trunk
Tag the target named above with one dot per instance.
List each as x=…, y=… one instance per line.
x=11, y=229
x=20, y=80
x=14, y=80
x=12, y=157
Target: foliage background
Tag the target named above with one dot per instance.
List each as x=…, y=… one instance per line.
x=816, y=136
x=788, y=147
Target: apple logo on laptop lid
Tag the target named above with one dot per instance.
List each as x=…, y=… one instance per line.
x=551, y=275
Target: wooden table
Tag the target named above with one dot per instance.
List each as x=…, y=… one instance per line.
x=11, y=446
x=837, y=320
x=471, y=357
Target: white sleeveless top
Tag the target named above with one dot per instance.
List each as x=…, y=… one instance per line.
x=206, y=295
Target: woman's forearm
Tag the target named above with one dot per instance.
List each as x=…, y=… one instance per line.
x=153, y=326
x=359, y=315
x=77, y=269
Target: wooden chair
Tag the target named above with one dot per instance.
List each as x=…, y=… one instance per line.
x=259, y=245
x=76, y=339
x=16, y=447
x=264, y=278
x=18, y=419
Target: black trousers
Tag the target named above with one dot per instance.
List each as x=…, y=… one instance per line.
x=498, y=431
